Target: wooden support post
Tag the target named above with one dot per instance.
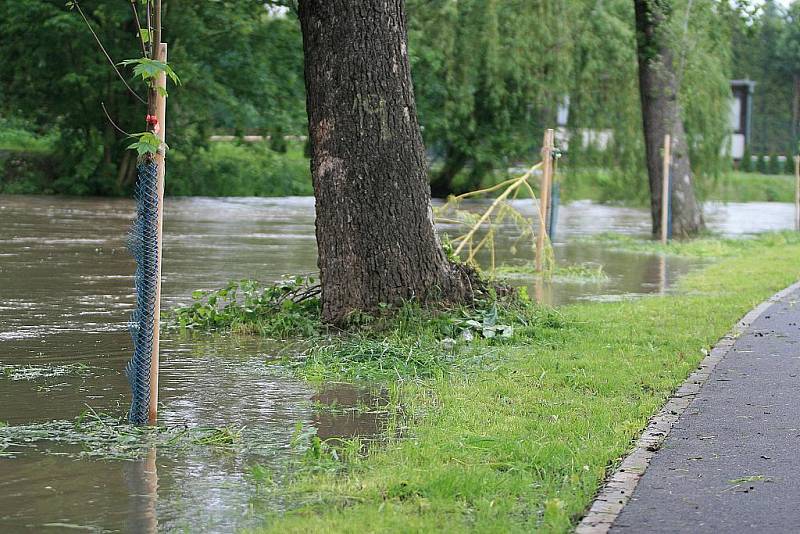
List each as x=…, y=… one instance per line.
x=797, y=193
x=161, y=114
x=665, y=189
x=544, y=195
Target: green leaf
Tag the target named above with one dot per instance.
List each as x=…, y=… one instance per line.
x=147, y=143
x=148, y=69
x=145, y=35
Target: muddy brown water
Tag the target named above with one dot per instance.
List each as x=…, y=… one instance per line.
x=65, y=298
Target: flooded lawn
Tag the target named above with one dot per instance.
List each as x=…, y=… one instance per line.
x=65, y=298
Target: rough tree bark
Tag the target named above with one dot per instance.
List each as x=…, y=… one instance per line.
x=375, y=233
x=661, y=114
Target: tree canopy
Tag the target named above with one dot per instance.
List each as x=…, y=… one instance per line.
x=489, y=76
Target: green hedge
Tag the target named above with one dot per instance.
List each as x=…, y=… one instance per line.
x=239, y=169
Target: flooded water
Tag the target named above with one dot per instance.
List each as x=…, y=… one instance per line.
x=65, y=298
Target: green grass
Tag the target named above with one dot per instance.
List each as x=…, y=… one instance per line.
x=577, y=273
x=752, y=187
x=702, y=247
x=17, y=139
x=524, y=443
x=603, y=185
x=110, y=438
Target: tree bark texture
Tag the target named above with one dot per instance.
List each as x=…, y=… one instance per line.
x=661, y=114
x=375, y=231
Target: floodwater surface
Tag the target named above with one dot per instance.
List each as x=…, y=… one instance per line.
x=65, y=299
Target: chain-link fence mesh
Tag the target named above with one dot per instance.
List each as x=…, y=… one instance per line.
x=143, y=245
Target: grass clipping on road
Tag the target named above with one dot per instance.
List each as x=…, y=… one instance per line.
x=526, y=444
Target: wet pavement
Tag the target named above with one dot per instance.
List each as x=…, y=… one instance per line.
x=730, y=464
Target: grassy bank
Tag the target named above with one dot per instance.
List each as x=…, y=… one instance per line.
x=701, y=247
x=522, y=439
x=752, y=187
x=29, y=165
x=602, y=185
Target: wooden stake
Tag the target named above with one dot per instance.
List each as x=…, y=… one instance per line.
x=544, y=195
x=797, y=193
x=161, y=114
x=665, y=188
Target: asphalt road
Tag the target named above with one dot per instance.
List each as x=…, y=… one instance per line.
x=732, y=461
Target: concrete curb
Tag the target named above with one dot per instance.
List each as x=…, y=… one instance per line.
x=619, y=487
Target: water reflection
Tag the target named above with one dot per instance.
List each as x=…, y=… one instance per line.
x=348, y=410
x=141, y=477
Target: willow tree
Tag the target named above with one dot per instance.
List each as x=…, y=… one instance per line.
x=659, y=89
x=375, y=233
x=490, y=74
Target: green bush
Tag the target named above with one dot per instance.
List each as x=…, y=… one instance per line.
x=746, y=164
x=775, y=166
x=238, y=169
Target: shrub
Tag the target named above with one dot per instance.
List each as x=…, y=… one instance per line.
x=239, y=169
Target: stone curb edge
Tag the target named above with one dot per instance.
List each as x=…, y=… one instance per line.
x=618, y=488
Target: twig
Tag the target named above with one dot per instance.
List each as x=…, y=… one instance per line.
x=114, y=124
x=111, y=61
x=515, y=184
x=139, y=28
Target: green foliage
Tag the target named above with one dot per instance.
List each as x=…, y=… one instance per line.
x=765, y=49
x=577, y=273
x=761, y=164
x=752, y=187
x=20, y=136
x=704, y=247
x=746, y=165
x=420, y=343
x=148, y=69
x=289, y=308
x=146, y=143
x=254, y=82
x=327, y=456
x=775, y=164
x=484, y=73
x=238, y=169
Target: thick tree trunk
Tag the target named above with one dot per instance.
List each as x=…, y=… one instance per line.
x=661, y=115
x=375, y=233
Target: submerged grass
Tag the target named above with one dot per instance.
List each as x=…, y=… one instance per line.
x=576, y=273
x=100, y=435
x=523, y=443
x=37, y=372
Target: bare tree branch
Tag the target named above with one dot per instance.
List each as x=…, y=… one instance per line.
x=138, y=27
x=110, y=120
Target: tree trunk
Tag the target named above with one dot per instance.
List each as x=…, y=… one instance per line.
x=661, y=115
x=375, y=233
